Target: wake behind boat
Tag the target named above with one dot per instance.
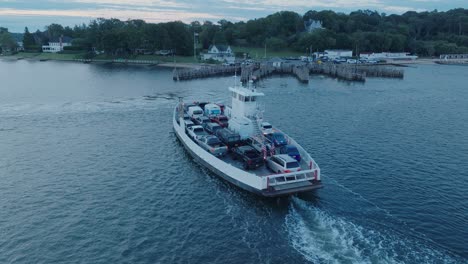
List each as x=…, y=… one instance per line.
x=236, y=144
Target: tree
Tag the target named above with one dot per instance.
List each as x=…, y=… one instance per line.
x=275, y=43
x=28, y=40
x=7, y=42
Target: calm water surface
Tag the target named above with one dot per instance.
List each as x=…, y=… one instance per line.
x=91, y=172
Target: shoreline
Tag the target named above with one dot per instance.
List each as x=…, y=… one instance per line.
x=133, y=62
x=188, y=65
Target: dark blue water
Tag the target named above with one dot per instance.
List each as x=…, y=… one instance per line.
x=91, y=172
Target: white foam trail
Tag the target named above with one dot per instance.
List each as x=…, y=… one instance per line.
x=125, y=104
x=324, y=238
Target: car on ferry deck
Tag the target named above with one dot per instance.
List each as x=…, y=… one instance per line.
x=201, y=120
x=282, y=163
x=266, y=128
x=195, y=111
x=251, y=159
x=221, y=120
x=213, y=145
x=228, y=137
x=292, y=151
x=212, y=127
x=277, y=138
x=196, y=131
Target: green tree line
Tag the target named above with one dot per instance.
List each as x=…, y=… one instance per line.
x=423, y=33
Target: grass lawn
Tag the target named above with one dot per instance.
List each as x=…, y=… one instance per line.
x=59, y=56
x=259, y=53
x=45, y=56
x=184, y=59
x=255, y=53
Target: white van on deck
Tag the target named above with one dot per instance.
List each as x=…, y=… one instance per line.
x=195, y=111
x=212, y=110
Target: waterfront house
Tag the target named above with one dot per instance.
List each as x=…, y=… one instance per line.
x=20, y=46
x=337, y=54
x=57, y=45
x=221, y=53
x=311, y=25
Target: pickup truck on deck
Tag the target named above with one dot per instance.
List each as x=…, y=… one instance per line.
x=249, y=156
x=228, y=137
x=213, y=145
x=220, y=120
x=196, y=131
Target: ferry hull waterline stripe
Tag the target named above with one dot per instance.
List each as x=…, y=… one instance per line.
x=261, y=181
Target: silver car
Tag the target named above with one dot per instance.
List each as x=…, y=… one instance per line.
x=213, y=145
x=283, y=164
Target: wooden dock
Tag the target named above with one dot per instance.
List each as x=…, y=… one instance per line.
x=381, y=71
x=204, y=72
x=340, y=71
x=256, y=71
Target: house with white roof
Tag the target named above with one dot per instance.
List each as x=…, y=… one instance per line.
x=57, y=45
x=221, y=53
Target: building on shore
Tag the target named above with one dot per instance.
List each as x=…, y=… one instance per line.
x=454, y=56
x=20, y=46
x=312, y=25
x=220, y=53
x=57, y=45
x=387, y=56
x=337, y=54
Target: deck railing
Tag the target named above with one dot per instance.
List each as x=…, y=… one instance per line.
x=286, y=178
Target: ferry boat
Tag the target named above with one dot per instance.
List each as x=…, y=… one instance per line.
x=245, y=119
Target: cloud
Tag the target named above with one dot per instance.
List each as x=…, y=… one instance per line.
x=147, y=3
x=401, y=9
x=150, y=15
x=274, y=4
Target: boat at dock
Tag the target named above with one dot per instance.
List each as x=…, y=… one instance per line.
x=245, y=120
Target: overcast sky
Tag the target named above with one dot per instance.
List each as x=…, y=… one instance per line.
x=16, y=14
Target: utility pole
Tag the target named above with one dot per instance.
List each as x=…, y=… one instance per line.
x=195, y=34
x=265, y=51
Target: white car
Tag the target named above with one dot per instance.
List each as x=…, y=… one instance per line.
x=283, y=164
x=266, y=128
x=196, y=131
